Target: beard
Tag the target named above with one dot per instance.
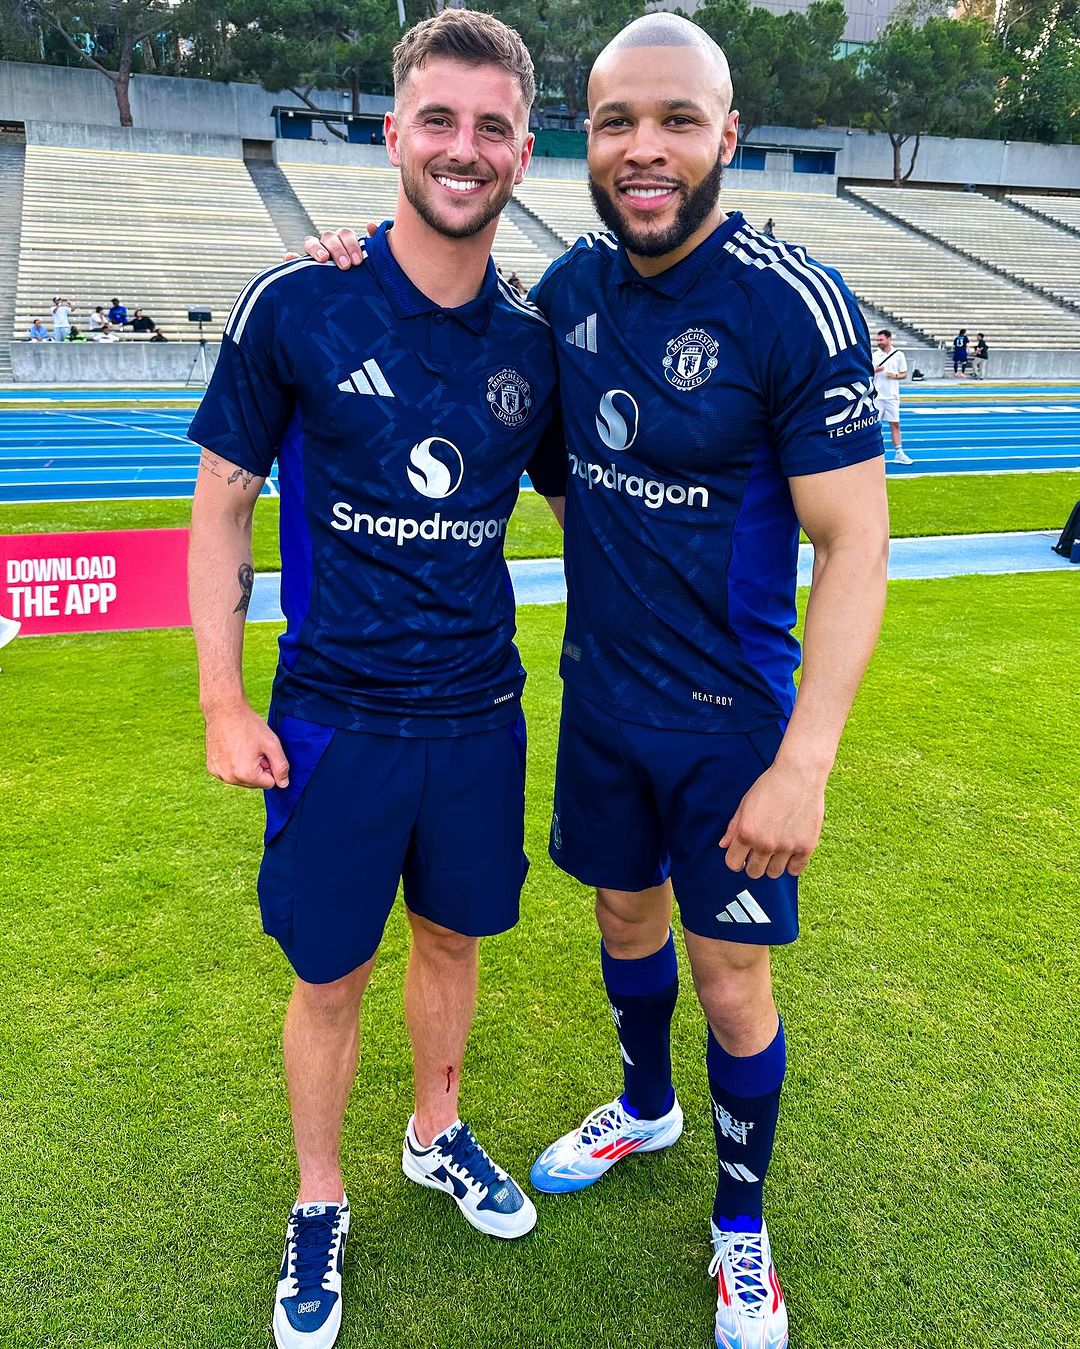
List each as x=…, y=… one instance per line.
x=694, y=210
x=419, y=198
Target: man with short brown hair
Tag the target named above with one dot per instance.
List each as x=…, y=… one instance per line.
x=402, y=401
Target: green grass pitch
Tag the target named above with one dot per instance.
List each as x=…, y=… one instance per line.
x=962, y=504
x=923, y=1191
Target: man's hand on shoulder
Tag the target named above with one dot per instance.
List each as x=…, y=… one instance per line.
x=340, y=246
x=242, y=751
x=778, y=823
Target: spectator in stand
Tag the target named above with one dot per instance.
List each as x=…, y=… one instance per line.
x=158, y=336
x=978, y=358
x=960, y=352
x=118, y=314
x=106, y=334
x=61, y=318
x=37, y=332
x=770, y=227
x=75, y=335
x=98, y=319
x=514, y=280
x=142, y=323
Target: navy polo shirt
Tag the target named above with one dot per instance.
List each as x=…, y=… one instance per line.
x=689, y=400
x=401, y=430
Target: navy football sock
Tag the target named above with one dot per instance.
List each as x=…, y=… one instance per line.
x=642, y=995
x=746, y=1103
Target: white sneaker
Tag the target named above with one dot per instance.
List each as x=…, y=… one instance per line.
x=583, y=1155
x=455, y=1162
x=750, y=1308
x=307, y=1307
x=901, y=458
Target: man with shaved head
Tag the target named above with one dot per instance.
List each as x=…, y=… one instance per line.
x=717, y=391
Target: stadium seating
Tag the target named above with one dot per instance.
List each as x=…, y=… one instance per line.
x=1010, y=240
x=1063, y=210
x=897, y=273
x=166, y=232
x=335, y=195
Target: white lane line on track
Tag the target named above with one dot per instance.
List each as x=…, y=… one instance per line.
x=127, y=426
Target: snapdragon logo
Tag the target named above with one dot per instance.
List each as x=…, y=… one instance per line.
x=617, y=420
x=402, y=529
x=435, y=467
x=652, y=491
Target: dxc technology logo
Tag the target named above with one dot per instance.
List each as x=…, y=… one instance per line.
x=435, y=468
x=617, y=421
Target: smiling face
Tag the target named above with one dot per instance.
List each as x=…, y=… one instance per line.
x=660, y=132
x=460, y=136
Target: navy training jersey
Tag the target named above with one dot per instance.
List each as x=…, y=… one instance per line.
x=401, y=430
x=689, y=398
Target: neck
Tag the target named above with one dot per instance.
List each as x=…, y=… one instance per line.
x=448, y=271
x=654, y=266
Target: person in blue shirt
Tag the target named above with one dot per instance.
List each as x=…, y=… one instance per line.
x=401, y=403
x=717, y=391
x=37, y=332
x=117, y=314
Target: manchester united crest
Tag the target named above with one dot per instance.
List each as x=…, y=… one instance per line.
x=691, y=358
x=509, y=396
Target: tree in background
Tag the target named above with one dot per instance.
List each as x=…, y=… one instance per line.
x=938, y=78
x=298, y=45
x=1040, y=97
x=565, y=37
x=105, y=35
x=784, y=67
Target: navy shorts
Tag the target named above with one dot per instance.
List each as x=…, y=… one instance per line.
x=363, y=812
x=635, y=805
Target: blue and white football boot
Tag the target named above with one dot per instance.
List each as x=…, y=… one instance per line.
x=583, y=1155
x=455, y=1162
x=307, y=1308
x=750, y=1309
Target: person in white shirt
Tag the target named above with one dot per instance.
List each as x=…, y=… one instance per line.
x=61, y=319
x=890, y=367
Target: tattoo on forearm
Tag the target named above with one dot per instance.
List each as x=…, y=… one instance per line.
x=246, y=577
x=210, y=465
x=242, y=476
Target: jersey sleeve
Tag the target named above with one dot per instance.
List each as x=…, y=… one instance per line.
x=547, y=467
x=820, y=382
x=250, y=398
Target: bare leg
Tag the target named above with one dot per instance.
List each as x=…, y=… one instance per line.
x=734, y=985
x=321, y=1044
x=634, y=924
x=894, y=429
x=440, y=1000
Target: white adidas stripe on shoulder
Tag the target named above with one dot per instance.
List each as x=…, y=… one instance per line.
x=817, y=289
x=523, y=306
x=593, y=237
x=825, y=286
x=241, y=310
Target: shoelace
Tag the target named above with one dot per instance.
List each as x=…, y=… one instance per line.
x=312, y=1241
x=468, y=1156
x=595, y=1128
x=744, y=1259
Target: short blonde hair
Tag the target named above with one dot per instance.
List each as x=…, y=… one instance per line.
x=469, y=36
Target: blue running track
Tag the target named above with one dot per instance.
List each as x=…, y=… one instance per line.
x=80, y=450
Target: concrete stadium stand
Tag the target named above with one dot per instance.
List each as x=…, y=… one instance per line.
x=106, y=362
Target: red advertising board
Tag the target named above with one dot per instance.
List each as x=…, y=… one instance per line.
x=94, y=582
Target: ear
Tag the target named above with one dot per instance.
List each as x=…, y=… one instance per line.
x=526, y=158
x=390, y=135
x=729, y=137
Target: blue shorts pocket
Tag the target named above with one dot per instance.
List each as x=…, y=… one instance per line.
x=304, y=743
